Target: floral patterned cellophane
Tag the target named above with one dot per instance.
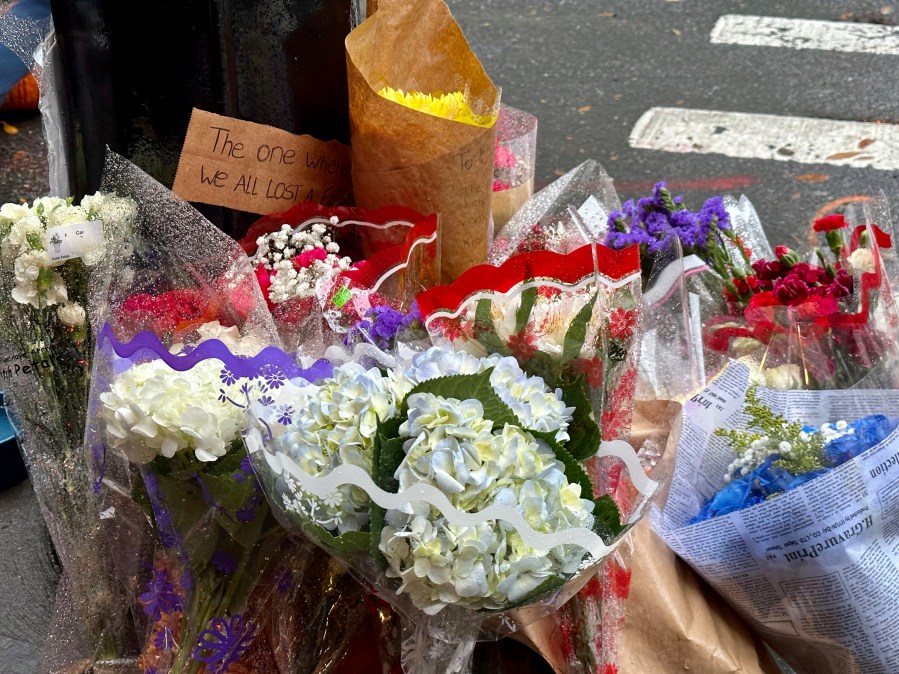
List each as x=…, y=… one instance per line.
x=514, y=161
x=392, y=253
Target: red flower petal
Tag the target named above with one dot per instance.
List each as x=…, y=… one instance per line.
x=830, y=222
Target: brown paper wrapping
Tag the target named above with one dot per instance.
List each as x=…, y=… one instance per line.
x=674, y=621
x=507, y=202
x=402, y=156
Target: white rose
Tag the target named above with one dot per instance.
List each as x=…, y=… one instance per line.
x=787, y=376
x=66, y=215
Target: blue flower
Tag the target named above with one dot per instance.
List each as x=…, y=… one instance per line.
x=285, y=414
x=274, y=377
x=866, y=433
x=160, y=596
x=266, y=400
x=227, y=377
x=226, y=640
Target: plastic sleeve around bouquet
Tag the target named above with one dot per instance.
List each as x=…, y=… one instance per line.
x=462, y=486
x=514, y=162
x=182, y=327
x=567, y=214
x=823, y=324
x=393, y=253
x=431, y=159
x=49, y=250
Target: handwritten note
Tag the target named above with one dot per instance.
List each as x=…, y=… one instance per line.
x=257, y=168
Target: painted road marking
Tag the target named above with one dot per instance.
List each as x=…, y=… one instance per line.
x=806, y=140
x=773, y=31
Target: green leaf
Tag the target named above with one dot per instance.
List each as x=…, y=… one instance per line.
x=607, y=518
x=384, y=464
x=469, y=387
x=585, y=433
x=523, y=315
x=577, y=332
x=484, y=331
x=348, y=543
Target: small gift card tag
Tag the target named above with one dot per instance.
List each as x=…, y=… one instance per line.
x=77, y=240
x=593, y=214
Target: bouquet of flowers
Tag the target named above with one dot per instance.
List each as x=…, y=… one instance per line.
x=780, y=498
x=180, y=331
x=422, y=124
x=48, y=250
x=470, y=482
x=322, y=270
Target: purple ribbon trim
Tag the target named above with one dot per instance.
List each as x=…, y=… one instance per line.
x=240, y=366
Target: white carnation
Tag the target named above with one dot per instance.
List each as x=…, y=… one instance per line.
x=71, y=314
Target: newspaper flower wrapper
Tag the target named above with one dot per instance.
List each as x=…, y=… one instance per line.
x=391, y=252
x=422, y=161
x=514, y=162
x=798, y=562
x=181, y=324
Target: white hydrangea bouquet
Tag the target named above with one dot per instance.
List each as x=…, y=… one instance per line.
x=477, y=477
x=48, y=249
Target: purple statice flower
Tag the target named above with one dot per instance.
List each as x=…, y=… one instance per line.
x=653, y=222
x=161, y=596
x=224, y=562
x=382, y=325
x=164, y=640
x=246, y=515
x=223, y=644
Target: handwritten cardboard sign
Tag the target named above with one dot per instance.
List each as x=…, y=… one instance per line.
x=258, y=168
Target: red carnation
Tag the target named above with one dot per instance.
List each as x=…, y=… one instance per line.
x=830, y=222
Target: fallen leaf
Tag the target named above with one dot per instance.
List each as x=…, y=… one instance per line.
x=676, y=32
x=795, y=196
x=20, y=155
x=865, y=157
x=812, y=177
x=842, y=155
x=585, y=108
x=607, y=14
x=559, y=172
x=865, y=142
x=8, y=128
x=886, y=10
x=617, y=97
x=785, y=152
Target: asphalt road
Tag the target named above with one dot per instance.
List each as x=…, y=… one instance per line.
x=588, y=70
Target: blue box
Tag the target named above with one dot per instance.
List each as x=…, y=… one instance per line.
x=12, y=469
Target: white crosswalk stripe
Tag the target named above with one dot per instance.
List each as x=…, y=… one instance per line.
x=798, y=139
x=773, y=31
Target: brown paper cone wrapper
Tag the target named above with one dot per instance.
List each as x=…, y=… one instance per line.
x=674, y=621
x=406, y=157
x=507, y=202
